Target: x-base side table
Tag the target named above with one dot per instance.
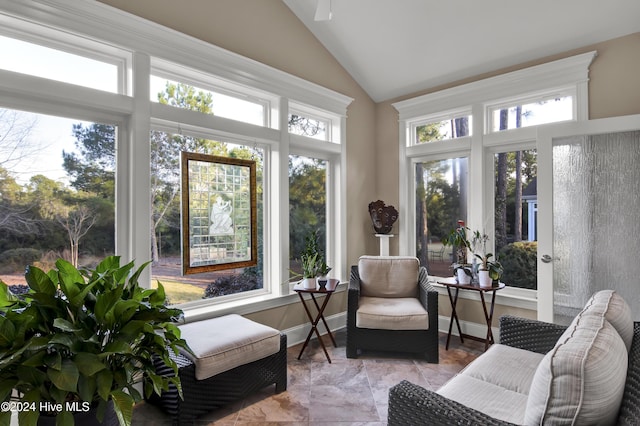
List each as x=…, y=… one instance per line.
x=327, y=291
x=488, y=315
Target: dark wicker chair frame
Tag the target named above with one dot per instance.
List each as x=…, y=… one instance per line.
x=424, y=342
x=410, y=404
x=202, y=396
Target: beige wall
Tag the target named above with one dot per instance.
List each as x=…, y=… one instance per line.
x=272, y=34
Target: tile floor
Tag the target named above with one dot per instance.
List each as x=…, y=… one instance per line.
x=345, y=392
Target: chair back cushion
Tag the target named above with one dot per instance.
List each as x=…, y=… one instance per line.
x=582, y=379
x=388, y=276
x=615, y=309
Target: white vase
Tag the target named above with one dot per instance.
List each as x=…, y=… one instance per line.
x=309, y=283
x=484, y=279
x=462, y=277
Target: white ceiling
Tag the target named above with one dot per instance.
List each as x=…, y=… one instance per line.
x=396, y=47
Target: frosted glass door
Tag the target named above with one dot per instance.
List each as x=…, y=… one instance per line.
x=590, y=224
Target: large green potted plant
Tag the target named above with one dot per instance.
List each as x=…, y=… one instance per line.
x=82, y=339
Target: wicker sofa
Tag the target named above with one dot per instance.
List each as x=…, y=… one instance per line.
x=607, y=390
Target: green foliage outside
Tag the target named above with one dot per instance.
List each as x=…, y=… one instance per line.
x=519, y=261
x=35, y=212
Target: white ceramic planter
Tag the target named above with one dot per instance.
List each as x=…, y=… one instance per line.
x=462, y=277
x=484, y=279
x=309, y=283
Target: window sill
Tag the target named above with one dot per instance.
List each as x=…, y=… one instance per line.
x=243, y=306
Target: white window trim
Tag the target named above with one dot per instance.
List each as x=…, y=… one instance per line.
x=133, y=111
x=570, y=74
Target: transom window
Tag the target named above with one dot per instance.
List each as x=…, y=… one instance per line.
x=61, y=65
x=531, y=112
x=440, y=128
x=304, y=120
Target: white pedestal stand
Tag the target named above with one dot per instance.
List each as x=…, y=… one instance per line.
x=384, y=243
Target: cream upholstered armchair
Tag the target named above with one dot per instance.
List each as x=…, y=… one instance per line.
x=391, y=307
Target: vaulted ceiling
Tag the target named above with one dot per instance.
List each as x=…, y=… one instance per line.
x=396, y=47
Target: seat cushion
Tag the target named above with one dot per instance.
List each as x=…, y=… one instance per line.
x=505, y=366
x=405, y=313
x=615, y=309
x=582, y=379
x=493, y=400
x=388, y=276
x=222, y=343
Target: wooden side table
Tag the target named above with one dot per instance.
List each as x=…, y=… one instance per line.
x=327, y=291
x=488, y=315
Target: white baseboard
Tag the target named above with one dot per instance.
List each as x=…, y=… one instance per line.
x=471, y=328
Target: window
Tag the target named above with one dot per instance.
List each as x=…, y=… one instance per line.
x=166, y=220
x=433, y=130
x=515, y=203
x=46, y=62
x=306, y=126
x=225, y=106
x=534, y=96
x=305, y=120
x=182, y=95
x=531, y=113
x=57, y=192
x=307, y=207
x=441, y=201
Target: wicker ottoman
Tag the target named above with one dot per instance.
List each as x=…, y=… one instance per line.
x=230, y=364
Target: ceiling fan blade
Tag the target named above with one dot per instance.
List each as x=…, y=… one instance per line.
x=323, y=11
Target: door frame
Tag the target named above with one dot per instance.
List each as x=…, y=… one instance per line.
x=546, y=136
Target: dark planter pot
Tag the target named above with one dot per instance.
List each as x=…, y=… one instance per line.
x=85, y=418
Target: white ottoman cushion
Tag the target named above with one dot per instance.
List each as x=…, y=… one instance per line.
x=222, y=343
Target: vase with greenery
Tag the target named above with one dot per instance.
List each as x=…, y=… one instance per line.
x=83, y=339
x=457, y=238
x=312, y=261
x=488, y=270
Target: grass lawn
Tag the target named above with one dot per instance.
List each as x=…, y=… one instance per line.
x=178, y=292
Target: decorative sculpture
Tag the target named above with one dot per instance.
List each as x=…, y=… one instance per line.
x=382, y=216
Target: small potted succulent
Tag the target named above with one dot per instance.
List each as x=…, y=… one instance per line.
x=79, y=341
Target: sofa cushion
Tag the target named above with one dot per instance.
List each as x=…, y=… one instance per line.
x=615, y=310
x=404, y=313
x=222, y=343
x=493, y=400
x=582, y=379
x=505, y=366
x=388, y=276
